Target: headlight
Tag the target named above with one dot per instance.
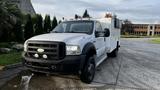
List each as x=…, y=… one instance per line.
x=25, y=46
x=73, y=50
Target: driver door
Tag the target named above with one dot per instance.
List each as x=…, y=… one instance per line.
x=99, y=42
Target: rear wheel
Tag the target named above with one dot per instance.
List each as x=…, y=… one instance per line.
x=88, y=72
x=114, y=53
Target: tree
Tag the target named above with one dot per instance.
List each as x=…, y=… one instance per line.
x=54, y=23
x=126, y=27
x=38, y=25
x=76, y=16
x=86, y=15
x=9, y=15
x=18, y=32
x=127, y=21
x=47, y=24
x=28, y=28
x=63, y=18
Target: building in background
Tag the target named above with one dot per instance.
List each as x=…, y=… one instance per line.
x=141, y=29
x=24, y=5
x=146, y=29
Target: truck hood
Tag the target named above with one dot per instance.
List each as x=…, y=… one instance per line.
x=68, y=38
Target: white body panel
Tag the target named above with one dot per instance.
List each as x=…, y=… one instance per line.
x=111, y=41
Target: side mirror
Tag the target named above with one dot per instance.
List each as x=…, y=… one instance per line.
x=99, y=34
x=107, y=32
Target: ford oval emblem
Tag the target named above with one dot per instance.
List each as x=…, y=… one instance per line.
x=40, y=50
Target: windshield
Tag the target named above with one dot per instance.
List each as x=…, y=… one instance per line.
x=74, y=27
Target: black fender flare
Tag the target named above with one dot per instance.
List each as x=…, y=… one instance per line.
x=89, y=49
x=89, y=46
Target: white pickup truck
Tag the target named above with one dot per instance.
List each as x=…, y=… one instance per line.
x=74, y=46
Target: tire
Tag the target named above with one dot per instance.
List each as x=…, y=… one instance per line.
x=114, y=53
x=88, y=71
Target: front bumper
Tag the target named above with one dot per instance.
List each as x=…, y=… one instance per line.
x=68, y=64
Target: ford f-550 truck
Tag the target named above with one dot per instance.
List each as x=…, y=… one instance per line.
x=74, y=46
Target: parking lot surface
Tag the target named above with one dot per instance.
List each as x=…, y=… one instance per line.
x=137, y=67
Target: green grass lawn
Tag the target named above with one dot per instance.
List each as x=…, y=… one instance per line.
x=156, y=41
x=11, y=58
x=135, y=36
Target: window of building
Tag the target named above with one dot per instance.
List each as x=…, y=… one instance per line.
x=156, y=27
x=150, y=33
x=151, y=27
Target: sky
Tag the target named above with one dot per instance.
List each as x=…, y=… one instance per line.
x=137, y=11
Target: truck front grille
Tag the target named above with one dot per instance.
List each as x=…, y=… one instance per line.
x=53, y=50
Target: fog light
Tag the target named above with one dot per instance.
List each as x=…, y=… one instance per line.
x=45, y=56
x=53, y=67
x=36, y=55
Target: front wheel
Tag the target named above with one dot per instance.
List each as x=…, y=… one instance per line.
x=88, y=72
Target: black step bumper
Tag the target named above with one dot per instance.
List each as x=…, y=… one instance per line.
x=66, y=65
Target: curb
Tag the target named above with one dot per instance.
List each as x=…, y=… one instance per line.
x=12, y=66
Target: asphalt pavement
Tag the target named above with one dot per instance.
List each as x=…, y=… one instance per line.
x=137, y=67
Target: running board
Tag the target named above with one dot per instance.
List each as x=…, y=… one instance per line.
x=100, y=61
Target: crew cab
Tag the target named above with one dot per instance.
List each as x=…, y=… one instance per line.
x=77, y=46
